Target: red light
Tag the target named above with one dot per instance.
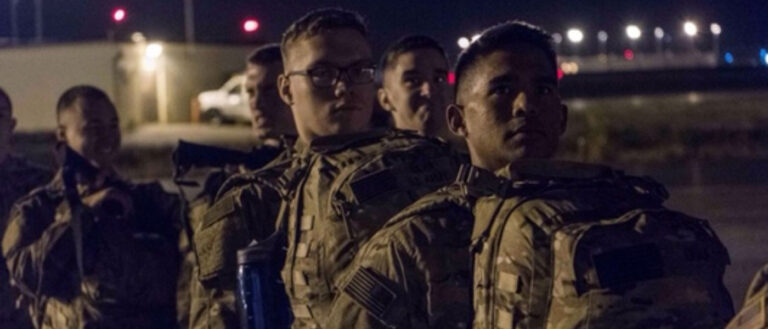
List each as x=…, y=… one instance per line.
x=250, y=25
x=629, y=54
x=451, y=78
x=118, y=15
x=560, y=73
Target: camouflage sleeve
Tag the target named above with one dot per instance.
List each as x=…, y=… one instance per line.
x=412, y=275
x=759, y=283
x=39, y=249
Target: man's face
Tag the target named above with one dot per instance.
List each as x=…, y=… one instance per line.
x=91, y=128
x=343, y=108
x=7, y=124
x=270, y=117
x=511, y=107
x=415, y=91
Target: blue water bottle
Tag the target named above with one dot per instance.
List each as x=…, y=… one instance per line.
x=261, y=298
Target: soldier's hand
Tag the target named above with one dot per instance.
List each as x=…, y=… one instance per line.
x=110, y=202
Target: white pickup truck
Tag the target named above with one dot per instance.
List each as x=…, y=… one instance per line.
x=229, y=103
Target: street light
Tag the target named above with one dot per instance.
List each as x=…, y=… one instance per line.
x=690, y=28
x=602, y=37
x=634, y=32
x=658, y=33
x=575, y=36
x=463, y=42
x=250, y=25
x=475, y=37
x=715, y=29
x=118, y=15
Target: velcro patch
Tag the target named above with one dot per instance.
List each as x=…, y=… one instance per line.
x=373, y=185
x=371, y=292
x=509, y=282
x=219, y=210
x=628, y=265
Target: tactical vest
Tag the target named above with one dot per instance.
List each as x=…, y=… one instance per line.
x=587, y=247
x=130, y=279
x=344, y=194
x=229, y=224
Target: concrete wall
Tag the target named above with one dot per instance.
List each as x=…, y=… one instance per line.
x=35, y=76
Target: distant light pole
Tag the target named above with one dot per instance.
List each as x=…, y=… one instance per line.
x=659, y=34
x=189, y=21
x=39, y=21
x=558, y=39
x=602, y=38
x=575, y=36
x=691, y=30
x=716, y=30
x=14, y=22
x=633, y=33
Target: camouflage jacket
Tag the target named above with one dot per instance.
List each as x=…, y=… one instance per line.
x=415, y=272
x=347, y=188
x=129, y=264
x=18, y=178
x=754, y=313
x=567, y=245
x=245, y=208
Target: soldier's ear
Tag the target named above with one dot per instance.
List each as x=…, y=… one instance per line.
x=384, y=101
x=284, y=88
x=61, y=134
x=13, y=124
x=455, y=118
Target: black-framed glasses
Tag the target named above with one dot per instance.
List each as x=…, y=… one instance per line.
x=328, y=76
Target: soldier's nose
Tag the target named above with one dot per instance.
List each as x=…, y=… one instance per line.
x=520, y=106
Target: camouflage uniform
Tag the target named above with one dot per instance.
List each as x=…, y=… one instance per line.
x=189, y=286
x=567, y=245
x=244, y=209
x=349, y=187
x=754, y=313
x=129, y=263
x=415, y=272
x=19, y=177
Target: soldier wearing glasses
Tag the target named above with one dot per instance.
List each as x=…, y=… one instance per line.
x=346, y=179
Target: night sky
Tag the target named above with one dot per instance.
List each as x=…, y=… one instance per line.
x=744, y=22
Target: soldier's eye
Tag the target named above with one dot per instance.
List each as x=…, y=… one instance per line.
x=501, y=90
x=544, y=90
x=411, y=81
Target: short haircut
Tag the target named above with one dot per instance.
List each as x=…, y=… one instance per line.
x=500, y=37
x=71, y=95
x=265, y=55
x=319, y=21
x=406, y=44
x=4, y=95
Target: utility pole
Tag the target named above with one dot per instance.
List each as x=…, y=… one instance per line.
x=189, y=21
x=39, y=21
x=14, y=22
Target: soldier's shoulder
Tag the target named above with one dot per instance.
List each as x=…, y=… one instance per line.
x=48, y=196
x=437, y=215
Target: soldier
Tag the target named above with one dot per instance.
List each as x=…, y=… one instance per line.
x=90, y=249
x=19, y=176
x=350, y=179
x=213, y=303
x=415, y=87
x=528, y=224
